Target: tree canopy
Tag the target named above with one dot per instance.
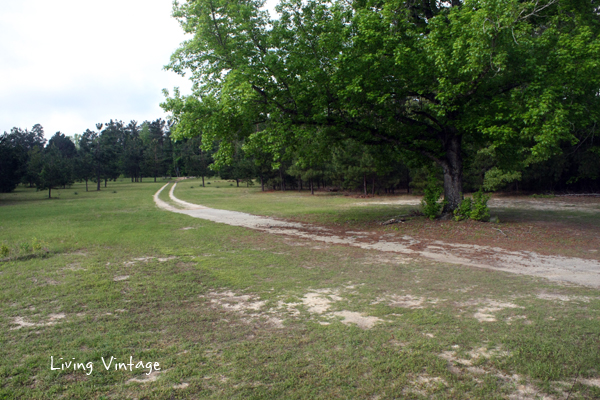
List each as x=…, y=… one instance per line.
x=437, y=81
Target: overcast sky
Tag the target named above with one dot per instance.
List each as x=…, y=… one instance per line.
x=68, y=64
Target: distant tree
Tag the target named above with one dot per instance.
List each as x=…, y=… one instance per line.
x=11, y=164
x=56, y=170
x=133, y=151
x=35, y=164
x=63, y=144
x=16, y=148
x=84, y=169
x=156, y=156
x=111, y=142
x=196, y=161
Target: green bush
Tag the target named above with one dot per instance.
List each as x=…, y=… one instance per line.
x=432, y=193
x=464, y=210
x=36, y=244
x=24, y=247
x=479, y=208
x=4, y=250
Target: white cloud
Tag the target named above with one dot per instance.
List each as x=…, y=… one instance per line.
x=69, y=64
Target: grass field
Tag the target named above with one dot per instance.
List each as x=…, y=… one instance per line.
x=231, y=313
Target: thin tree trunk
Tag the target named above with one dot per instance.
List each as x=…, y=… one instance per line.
x=365, y=184
x=50, y=192
x=86, y=185
x=202, y=180
x=373, y=187
x=237, y=182
x=262, y=183
x=312, y=190
x=105, y=181
x=98, y=179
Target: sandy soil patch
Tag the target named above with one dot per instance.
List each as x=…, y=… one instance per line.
x=405, y=301
x=486, y=313
x=591, y=382
x=317, y=302
x=247, y=305
x=23, y=323
x=359, y=319
x=423, y=384
x=563, y=298
x=147, y=378
x=584, y=272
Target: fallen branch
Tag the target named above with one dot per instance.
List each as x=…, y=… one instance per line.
x=500, y=230
x=392, y=221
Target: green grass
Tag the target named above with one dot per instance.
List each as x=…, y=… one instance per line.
x=172, y=310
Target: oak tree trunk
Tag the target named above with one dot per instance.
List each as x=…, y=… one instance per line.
x=453, y=173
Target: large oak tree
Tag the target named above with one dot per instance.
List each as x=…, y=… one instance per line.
x=514, y=78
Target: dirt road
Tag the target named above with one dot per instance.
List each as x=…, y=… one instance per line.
x=557, y=268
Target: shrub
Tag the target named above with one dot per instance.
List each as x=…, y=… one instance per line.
x=36, y=244
x=432, y=193
x=479, y=208
x=4, y=250
x=464, y=210
x=24, y=247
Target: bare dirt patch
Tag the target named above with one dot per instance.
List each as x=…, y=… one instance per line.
x=563, y=298
x=405, y=301
x=317, y=303
x=147, y=378
x=591, y=382
x=251, y=308
x=424, y=384
x=486, y=313
x=358, y=319
x=51, y=320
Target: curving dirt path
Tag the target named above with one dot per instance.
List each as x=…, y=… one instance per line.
x=557, y=268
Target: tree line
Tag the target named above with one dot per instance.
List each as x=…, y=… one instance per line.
x=148, y=151
x=112, y=150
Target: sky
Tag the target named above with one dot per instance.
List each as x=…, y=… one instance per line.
x=69, y=64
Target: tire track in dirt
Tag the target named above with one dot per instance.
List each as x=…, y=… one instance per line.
x=556, y=268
